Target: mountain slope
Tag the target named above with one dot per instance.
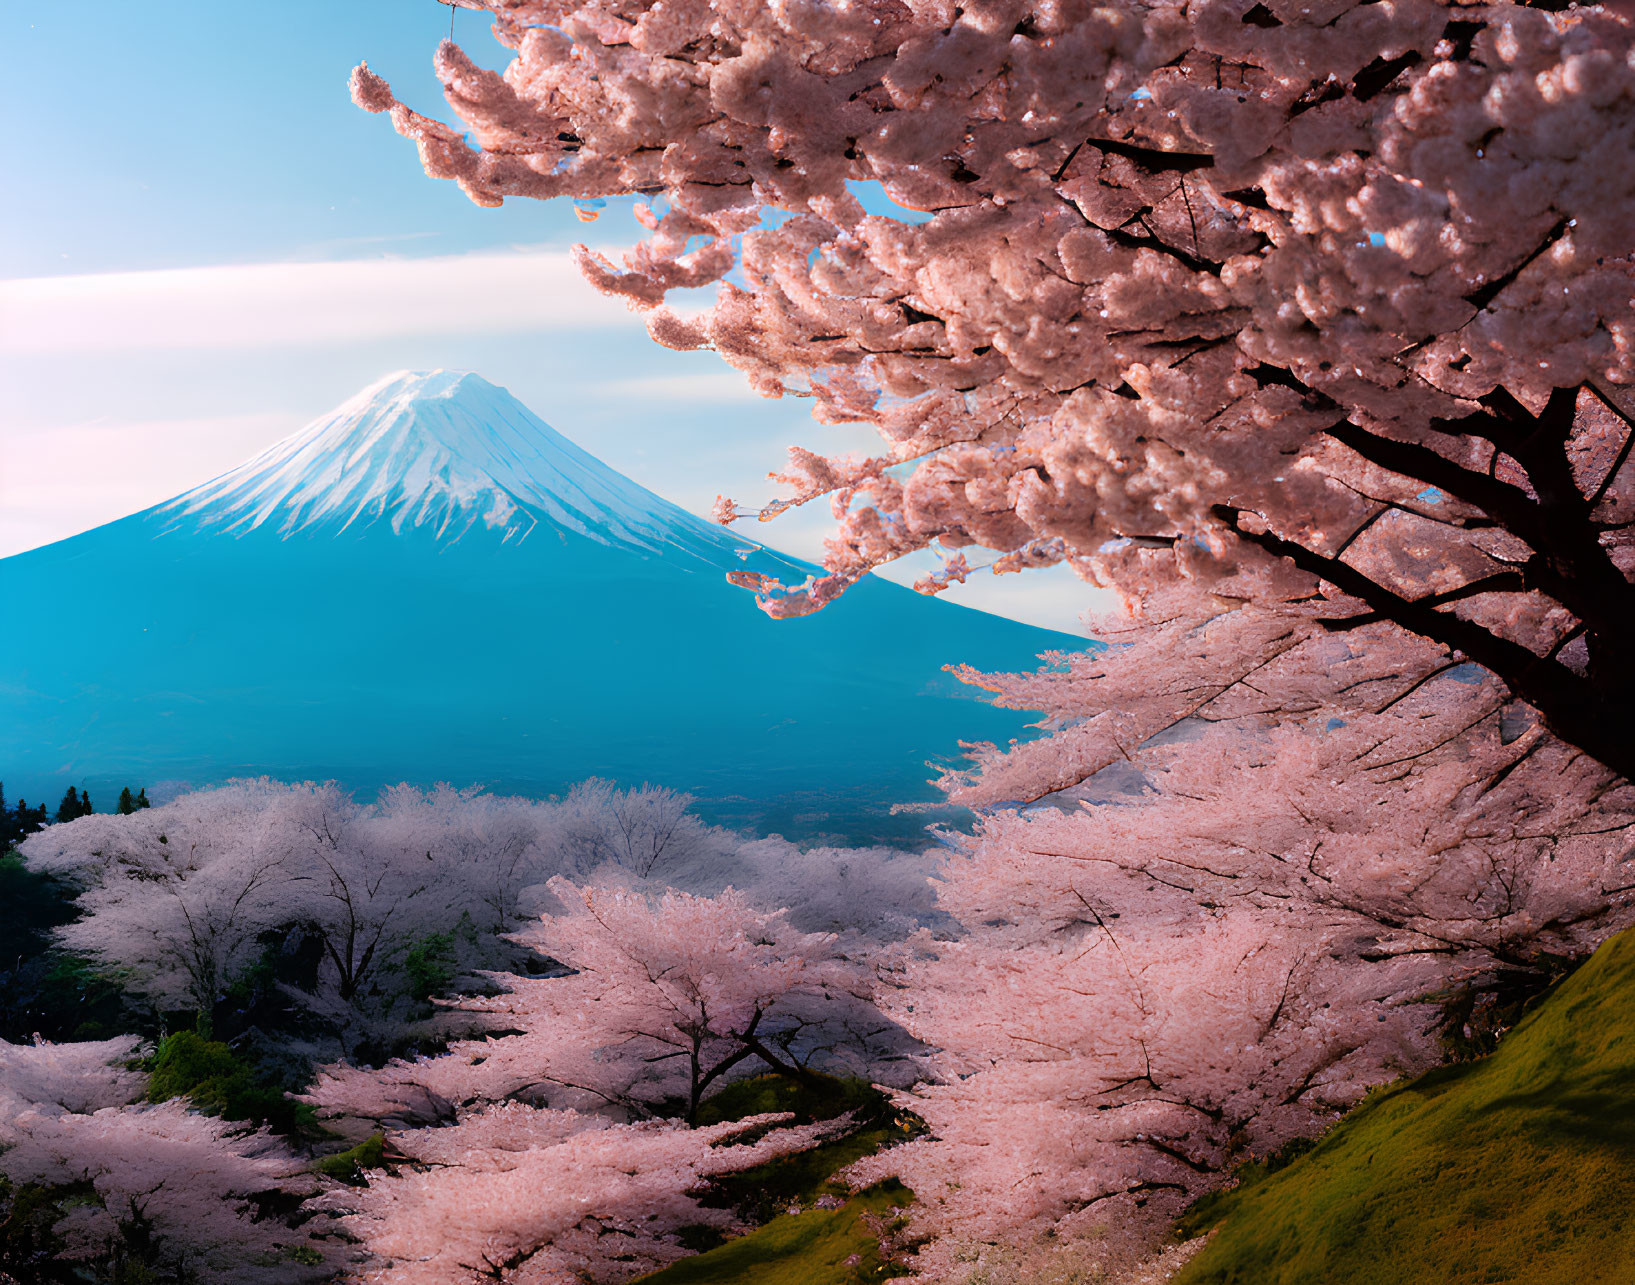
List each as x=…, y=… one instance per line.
x=1514, y=1168
x=431, y=584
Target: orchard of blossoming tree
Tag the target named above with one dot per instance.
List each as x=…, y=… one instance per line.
x=590, y=1068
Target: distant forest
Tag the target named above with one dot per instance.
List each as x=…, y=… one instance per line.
x=17, y=823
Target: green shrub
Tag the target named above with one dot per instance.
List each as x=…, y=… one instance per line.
x=217, y=1080
x=429, y=966
x=348, y=1166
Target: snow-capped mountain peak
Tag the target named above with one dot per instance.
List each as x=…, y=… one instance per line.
x=442, y=450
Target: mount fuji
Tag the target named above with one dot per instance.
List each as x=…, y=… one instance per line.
x=430, y=584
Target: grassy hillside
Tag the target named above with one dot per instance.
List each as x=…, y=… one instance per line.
x=818, y=1245
x=1517, y=1168
x=815, y=1247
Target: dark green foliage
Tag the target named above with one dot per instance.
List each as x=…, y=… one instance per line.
x=45, y=991
x=59, y=995
x=74, y=806
x=17, y=823
x=142, y=798
x=429, y=966
x=348, y=1166
x=257, y=999
x=1474, y=1019
x=812, y=1247
x=127, y=804
x=1515, y=1168
x=31, y=905
x=29, y=1213
x=217, y=1080
x=823, y=1099
x=30, y=1248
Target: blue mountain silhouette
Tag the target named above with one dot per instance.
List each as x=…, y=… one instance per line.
x=431, y=584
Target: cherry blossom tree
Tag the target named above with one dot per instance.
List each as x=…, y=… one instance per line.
x=158, y=1187
x=544, y=1155
x=640, y=829
x=174, y=897
x=1306, y=327
x=78, y=1078
x=863, y=895
x=545, y=1197
x=489, y=847
x=1221, y=940
x=178, y=899
x=1276, y=300
x=667, y=998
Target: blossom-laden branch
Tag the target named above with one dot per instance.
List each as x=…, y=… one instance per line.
x=1135, y=271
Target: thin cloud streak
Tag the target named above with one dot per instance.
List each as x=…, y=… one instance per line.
x=729, y=386
x=283, y=304
x=56, y=482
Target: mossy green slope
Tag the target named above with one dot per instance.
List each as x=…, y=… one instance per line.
x=817, y=1246
x=1517, y=1168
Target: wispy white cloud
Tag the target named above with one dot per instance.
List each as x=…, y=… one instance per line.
x=280, y=304
x=118, y=391
x=728, y=386
x=1052, y=597
x=58, y=481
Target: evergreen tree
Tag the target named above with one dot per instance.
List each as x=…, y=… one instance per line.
x=142, y=798
x=85, y=808
x=28, y=820
x=127, y=805
x=68, y=809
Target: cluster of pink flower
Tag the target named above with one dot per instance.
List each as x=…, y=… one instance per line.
x=1224, y=901
x=1260, y=298
x=554, y=1162
x=128, y=1177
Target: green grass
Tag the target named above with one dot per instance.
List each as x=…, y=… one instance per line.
x=1519, y=1168
x=810, y=1248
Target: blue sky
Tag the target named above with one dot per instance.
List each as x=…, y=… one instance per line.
x=158, y=153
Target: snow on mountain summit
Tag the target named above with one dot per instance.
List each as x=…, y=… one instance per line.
x=442, y=450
